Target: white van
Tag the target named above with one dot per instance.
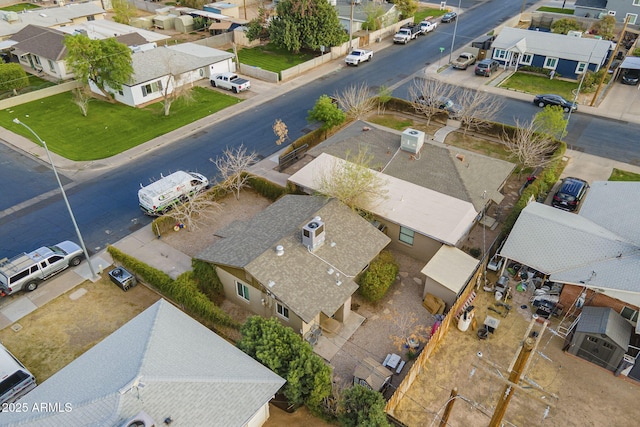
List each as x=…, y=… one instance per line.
x=15, y=379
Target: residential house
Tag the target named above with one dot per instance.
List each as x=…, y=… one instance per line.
x=361, y=11
x=297, y=260
x=434, y=195
x=594, y=254
x=161, y=367
x=566, y=55
x=618, y=8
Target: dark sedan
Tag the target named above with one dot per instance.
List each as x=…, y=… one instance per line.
x=630, y=77
x=449, y=17
x=549, y=99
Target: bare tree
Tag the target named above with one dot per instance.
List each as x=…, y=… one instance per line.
x=427, y=96
x=531, y=149
x=281, y=131
x=356, y=101
x=175, y=88
x=232, y=168
x=353, y=182
x=81, y=97
x=478, y=108
x=407, y=327
x=195, y=210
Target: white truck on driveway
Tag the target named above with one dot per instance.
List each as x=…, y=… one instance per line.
x=230, y=81
x=160, y=196
x=359, y=55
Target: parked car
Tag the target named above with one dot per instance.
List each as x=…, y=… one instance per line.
x=570, y=193
x=449, y=17
x=359, y=55
x=230, y=81
x=551, y=99
x=486, y=67
x=630, y=77
x=428, y=25
x=463, y=61
x=442, y=103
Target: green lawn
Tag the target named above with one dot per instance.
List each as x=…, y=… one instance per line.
x=536, y=84
x=423, y=13
x=620, y=175
x=555, y=10
x=19, y=7
x=108, y=129
x=272, y=58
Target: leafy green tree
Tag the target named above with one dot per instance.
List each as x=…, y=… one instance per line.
x=374, y=15
x=123, y=11
x=306, y=24
x=258, y=27
x=551, y=122
x=380, y=275
x=284, y=352
x=12, y=77
x=327, y=112
x=105, y=63
x=362, y=407
x=605, y=27
x=407, y=8
x=564, y=25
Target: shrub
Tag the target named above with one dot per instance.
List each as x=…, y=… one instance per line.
x=266, y=188
x=207, y=279
x=382, y=272
x=12, y=77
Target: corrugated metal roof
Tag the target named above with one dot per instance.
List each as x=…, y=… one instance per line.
x=162, y=361
x=581, y=49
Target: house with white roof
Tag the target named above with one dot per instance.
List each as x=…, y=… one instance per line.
x=162, y=367
x=566, y=55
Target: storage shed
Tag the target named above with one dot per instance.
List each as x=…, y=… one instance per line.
x=602, y=337
x=164, y=22
x=372, y=374
x=184, y=23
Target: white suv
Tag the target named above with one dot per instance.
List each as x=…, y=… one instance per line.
x=28, y=270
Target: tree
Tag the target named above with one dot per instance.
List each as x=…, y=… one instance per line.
x=123, y=11
x=12, y=77
x=194, y=4
x=327, y=112
x=407, y=326
x=306, y=24
x=81, y=97
x=361, y=407
x=195, y=210
x=426, y=94
x=407, y=8
x=353, y=182
x=564, y=25
x=478, y=108
x=605, y=27
x=258, y=28
x=357, y=101
x=551, y=121
x=232, y=168
x=281, y=131
x=284, y=352
x=532, y=149
x=374, y=14
x=384, y=96
x=105, y=62
x=176, y=87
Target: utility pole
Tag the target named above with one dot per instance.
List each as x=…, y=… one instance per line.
x=449, y=407
x=514, y=378
x=353, y=2
x=613, y=54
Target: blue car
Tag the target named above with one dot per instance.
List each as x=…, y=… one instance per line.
x=449, y=17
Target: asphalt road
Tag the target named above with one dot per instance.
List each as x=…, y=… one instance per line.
x=106, y=207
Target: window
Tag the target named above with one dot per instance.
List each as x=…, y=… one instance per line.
x=629, y=313
x=282, y=310
x=91, y=18
x=21, y=275
x=500, y=54
x=151, y=88
x=52, y=66
x=243, y=291
x=636, y=2
x=406, y=235
x=551, y=63
x=632, y=17
x=582, y=66
x=55, y=258
x=526, y=59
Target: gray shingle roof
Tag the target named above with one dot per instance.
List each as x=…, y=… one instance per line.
x=604, y=320
x=599, y=247
x=45, y=42
x=437, y=168
x=162, y=362
x=301, y=278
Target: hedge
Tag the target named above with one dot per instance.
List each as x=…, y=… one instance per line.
x=184, y=290
x=266, y=188
x=375, y=282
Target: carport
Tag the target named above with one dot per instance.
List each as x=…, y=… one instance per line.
x=629, y=63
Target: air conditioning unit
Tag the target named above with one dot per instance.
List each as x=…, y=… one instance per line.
x=574, y=33
x=313, y=234
x=412, y=140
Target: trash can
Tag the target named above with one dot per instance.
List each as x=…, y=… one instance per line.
x=122, y=278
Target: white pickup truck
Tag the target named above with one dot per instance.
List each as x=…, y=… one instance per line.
x=230, y=81
x=359, y=55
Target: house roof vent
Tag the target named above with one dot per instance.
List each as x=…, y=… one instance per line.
x=313, y=233
x=574, y=33
x=412, y=140
x=279, y=250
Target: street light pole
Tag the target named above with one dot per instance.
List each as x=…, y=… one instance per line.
x=64, y=196
x=455, y=29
